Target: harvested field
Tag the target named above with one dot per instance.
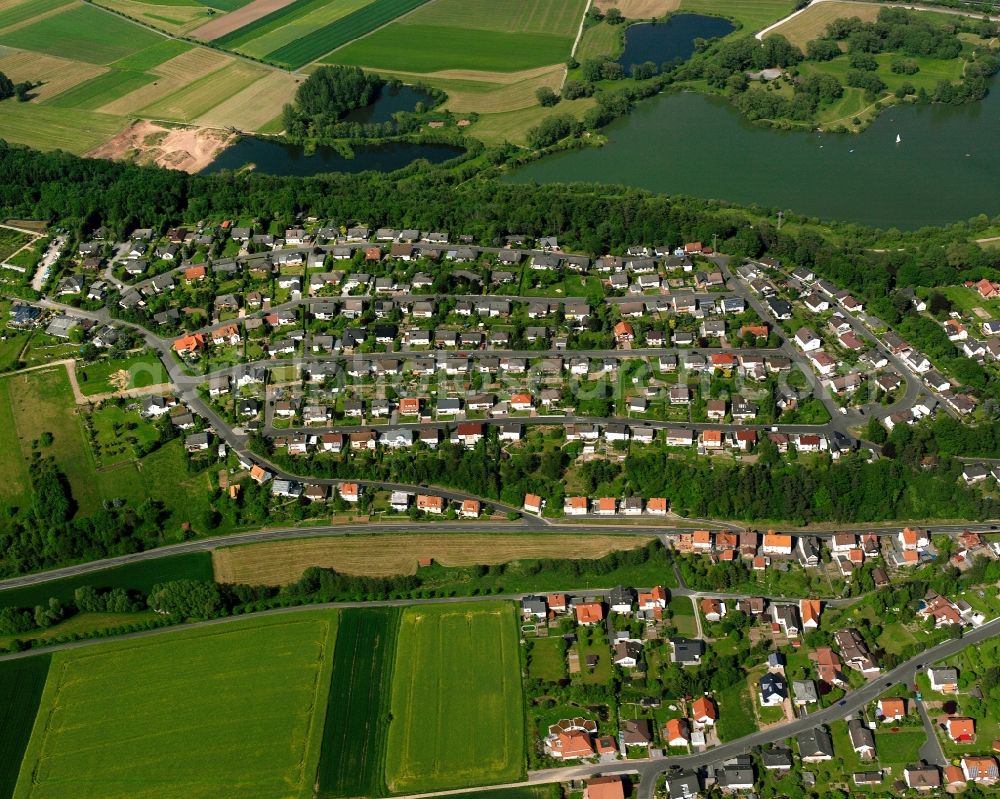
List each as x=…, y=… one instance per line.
x=187, y=149
x=255, y=106
x=811, y=23
x=202, y=95
x=56, y=74
x=172, y=75
x=282, y=562
x=233, y=21
x=102, y=89
x=45, y=128
x=640, y=9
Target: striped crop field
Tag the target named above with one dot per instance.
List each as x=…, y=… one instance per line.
x=354, y=737
x=457, y=708
x=21, y=685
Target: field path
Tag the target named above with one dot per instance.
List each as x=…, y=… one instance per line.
x=910, y=6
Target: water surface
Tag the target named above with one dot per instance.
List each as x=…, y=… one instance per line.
x=671, y=40
x=946, y=167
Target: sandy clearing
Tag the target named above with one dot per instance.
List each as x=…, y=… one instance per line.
x=186, y=149
x=282, y=562
x=640, y=9
x=56, y=74
x=234, y=20
x=255, y=106
x=472, y=74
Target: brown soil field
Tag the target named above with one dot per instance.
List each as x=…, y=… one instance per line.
x=186, y=149
x=282, y=562
x=640, y=9
x=235, y=20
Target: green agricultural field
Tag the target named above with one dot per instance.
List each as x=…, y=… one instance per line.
x=600, y=40
x=103, y=89
x=230, y=710
x=83, y=33
x=21, y=684
x=336, y=34
x=269, y=23
x=457, y=710
x=22, y=12
x=452, y=35
x=414, y=48
x=754, y=15
x=354, y=737
x=44, y=128
x=300, y=27
x=152, y=56
x=141, y=576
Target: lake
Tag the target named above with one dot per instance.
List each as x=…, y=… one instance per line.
x=670, y=40
x=283, y=158
x=388, y=102
x=946, y=168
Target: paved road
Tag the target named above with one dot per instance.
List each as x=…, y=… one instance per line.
x=931, y=751
x=528, y=524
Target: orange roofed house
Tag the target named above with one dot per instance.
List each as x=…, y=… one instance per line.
x=571, y=745
x=624, y=332
x=430, y=503
x=657, y=506
x=532, y=503
x=809, y=610
x=777, y=544
x=607, y=506
x=470, y=509
x=588, y=613
x=192, y=343
x=349, y=492
x=703, y=711
x=194, y=273
x=701, y=541
x=961, y=729
x=891, y=709
x=604, y=788
x=655, y=598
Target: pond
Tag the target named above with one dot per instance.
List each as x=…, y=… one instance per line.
x=946, y=166
x=388, y=102
x=671, y=40
x=284, y=158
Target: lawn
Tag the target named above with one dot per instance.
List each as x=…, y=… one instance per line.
x=354, y=737
x=83, y=33
x=232, y=710
x=600, y=40
x=119, y=434
x=736, y=717
x=282, y=562
x=143, y=370
x=457, y=711
x=21, y=684
x=754, y=15
x=512, y=126
x=682, y=616
x=141, y=576
x=42, y=402
x=899, y=747
x=548, y=659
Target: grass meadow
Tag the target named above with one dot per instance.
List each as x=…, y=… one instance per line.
x=352, y=756
x=229, y=710
x=456, y=706
x=21, y=684
x=754, y=15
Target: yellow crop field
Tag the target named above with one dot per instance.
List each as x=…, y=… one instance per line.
x=175, y=74
x=255, y=106
x=200, y=96
x=282, y=562
x=811, y=23
x=55, y=74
